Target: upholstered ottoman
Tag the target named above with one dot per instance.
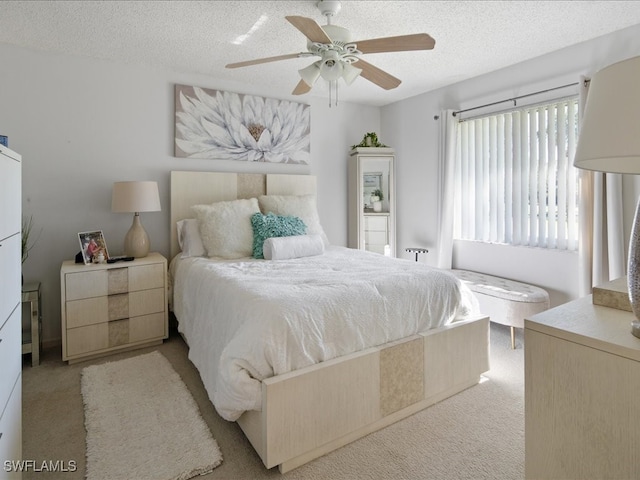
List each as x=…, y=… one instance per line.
x=505, y=301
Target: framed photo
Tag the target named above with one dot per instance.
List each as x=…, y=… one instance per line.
x=93, y=247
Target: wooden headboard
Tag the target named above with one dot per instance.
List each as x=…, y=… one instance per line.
x=196, y=188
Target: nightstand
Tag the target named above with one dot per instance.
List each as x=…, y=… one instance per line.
x=32, y=341
x=108, y=308
x=582, y=378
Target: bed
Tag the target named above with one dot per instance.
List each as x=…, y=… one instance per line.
x=332, y=396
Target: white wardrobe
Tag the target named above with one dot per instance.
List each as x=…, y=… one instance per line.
x=372, y=224
x=10, y=309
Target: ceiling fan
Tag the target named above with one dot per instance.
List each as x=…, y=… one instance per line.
x=340, y=56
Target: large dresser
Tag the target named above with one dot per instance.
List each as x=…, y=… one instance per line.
x=10, y=309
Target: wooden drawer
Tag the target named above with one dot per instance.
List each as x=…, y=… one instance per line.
x=86, y=284
x=91, y=338
x=146, y=277
x=10, y=355
x=375, y=238
x=10, y=194
x=10, y=293
x=147, y=327
x=90, y=311
x=79, y=285
x=11, y=428
x=118, y=333
x=377, y=223
x=376, y=248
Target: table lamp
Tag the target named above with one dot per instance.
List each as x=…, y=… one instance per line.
x=610, y=142
x=135, y=197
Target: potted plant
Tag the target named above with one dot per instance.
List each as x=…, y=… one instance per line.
x=376, y=200
x=369, y=140
x=27, y=241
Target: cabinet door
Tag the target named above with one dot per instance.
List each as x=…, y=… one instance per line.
x=371, y=194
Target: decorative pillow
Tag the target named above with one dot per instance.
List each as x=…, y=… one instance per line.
x=225, y=227
x=189, y=238
x=301, y=206
x=284, y=248
x=271, y=225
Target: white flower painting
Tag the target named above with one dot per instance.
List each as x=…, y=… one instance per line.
x=222, y=125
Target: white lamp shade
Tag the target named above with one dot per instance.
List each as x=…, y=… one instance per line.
x=311, y=73
x=331, y=66
x=610, y=132
x=350, y=73
x=135, y=197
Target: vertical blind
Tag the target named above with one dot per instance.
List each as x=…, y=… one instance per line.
x=515, y=179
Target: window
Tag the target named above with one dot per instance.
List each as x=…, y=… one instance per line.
x=515, y=179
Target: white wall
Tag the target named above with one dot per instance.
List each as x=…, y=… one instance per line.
x=410, y=128
x=81, y=124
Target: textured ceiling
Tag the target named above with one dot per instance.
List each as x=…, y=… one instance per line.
x=472, y=37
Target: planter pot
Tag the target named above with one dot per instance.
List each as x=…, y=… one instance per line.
x=377, y=206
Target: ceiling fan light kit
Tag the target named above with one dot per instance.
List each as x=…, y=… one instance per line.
x=340, y=57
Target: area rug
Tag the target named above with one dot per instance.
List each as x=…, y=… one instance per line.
x=143, y=423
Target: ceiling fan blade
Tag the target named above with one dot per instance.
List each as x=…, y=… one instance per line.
x=301, y=88
x=266, y=60
x=309, y=28
x=377, y=76
x=402, y=43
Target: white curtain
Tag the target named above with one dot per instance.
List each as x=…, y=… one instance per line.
x=446, y=179
x=601, y=245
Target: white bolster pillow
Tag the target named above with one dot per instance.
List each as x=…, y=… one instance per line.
x=296, y=246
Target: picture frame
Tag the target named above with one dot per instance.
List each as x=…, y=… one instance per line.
x=91, y=245
x=371, y=181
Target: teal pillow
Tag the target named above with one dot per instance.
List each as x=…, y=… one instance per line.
x=272, y=225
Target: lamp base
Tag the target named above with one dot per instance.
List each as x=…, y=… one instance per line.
x=136, y=242
x=633, y=272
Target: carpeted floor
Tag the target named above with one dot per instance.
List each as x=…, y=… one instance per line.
x=477, y=434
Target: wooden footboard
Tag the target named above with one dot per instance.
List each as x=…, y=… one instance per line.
x=310, y=412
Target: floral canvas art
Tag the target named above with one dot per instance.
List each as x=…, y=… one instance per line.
x=229, y=126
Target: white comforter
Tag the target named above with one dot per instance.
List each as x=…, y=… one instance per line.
x=246, y=320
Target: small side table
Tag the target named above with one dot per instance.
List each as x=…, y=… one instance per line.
x=417, y=251
x=31, y=294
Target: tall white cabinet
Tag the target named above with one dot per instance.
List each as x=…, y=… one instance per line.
x=372, y=224
x=10, y=308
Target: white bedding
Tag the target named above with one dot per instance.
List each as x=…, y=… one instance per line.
x=246, y=320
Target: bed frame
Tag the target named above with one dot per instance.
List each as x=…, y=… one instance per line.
x=312, y=411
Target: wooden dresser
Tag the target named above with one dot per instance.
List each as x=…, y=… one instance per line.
x=10, y=311
x=113, y=307
x=582, y=393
